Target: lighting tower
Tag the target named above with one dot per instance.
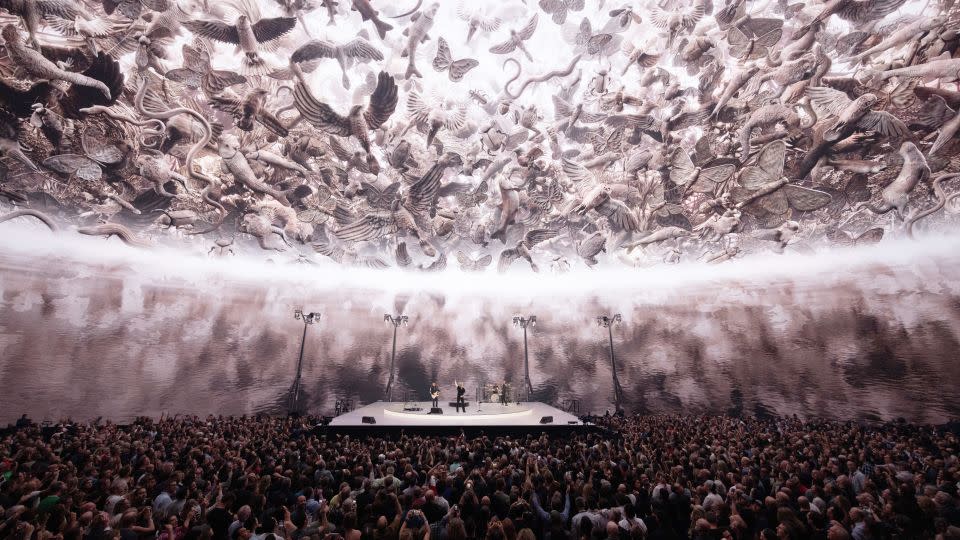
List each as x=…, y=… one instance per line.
x=308, y=319
x=396, y=321
x=524, y=323
x=608, y=323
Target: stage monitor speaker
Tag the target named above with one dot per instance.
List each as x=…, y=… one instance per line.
x=436, y=410
x=369, y=420
x=546, y=419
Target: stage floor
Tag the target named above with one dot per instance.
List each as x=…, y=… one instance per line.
x=392, y=414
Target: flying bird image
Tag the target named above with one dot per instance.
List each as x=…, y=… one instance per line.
x=558, y=9
x=631, y=134
x=33, y=13
x=358, y=49
x=249, y=109
x=250, y=37
x=522, y=249
x=476, y=19
x=516, y=39
x=359, y=121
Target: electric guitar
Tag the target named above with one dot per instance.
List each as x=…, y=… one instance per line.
x=435, y=395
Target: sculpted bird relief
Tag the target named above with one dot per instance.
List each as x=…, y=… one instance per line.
x=197, y=72
x=516, y=40
x=647, y=132
x=249, y=37
x=345, y=54
x=476, y=19
x=249, y=109
x=359, y=121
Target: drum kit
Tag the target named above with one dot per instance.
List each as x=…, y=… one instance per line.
x=492, y=392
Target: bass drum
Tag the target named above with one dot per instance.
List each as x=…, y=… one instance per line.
x=494, y=397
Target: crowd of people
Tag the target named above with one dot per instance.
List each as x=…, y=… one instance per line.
x=632, y=477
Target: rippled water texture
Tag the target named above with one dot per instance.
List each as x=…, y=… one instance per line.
x=864, y=334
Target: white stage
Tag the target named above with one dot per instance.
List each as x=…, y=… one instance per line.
x=392, y=414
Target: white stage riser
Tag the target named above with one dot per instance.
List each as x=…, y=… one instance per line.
x=393, y=414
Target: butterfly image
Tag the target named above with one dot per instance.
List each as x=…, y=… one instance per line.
x=671, y=215
x=558, y=8
x=843, y=238
x=469, y=264
x=765, y=189
x=789, y=10
x=444, y=61
x=607, y=142
x=551, y=195
x=381, y=198
x=132, y=9
x=685, y=174
x=593, y=43
x=197, y=73
x=753, y=39
x=475, y=197
x=89, y=165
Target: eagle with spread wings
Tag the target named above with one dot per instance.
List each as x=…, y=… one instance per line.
x=406, y=213
x=249, y=36
x=359, y=120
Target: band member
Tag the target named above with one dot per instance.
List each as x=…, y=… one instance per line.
x=503, y=393
x=460, y=392
x=435, y=394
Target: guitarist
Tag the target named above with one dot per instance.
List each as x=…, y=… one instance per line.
x=435, y=394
